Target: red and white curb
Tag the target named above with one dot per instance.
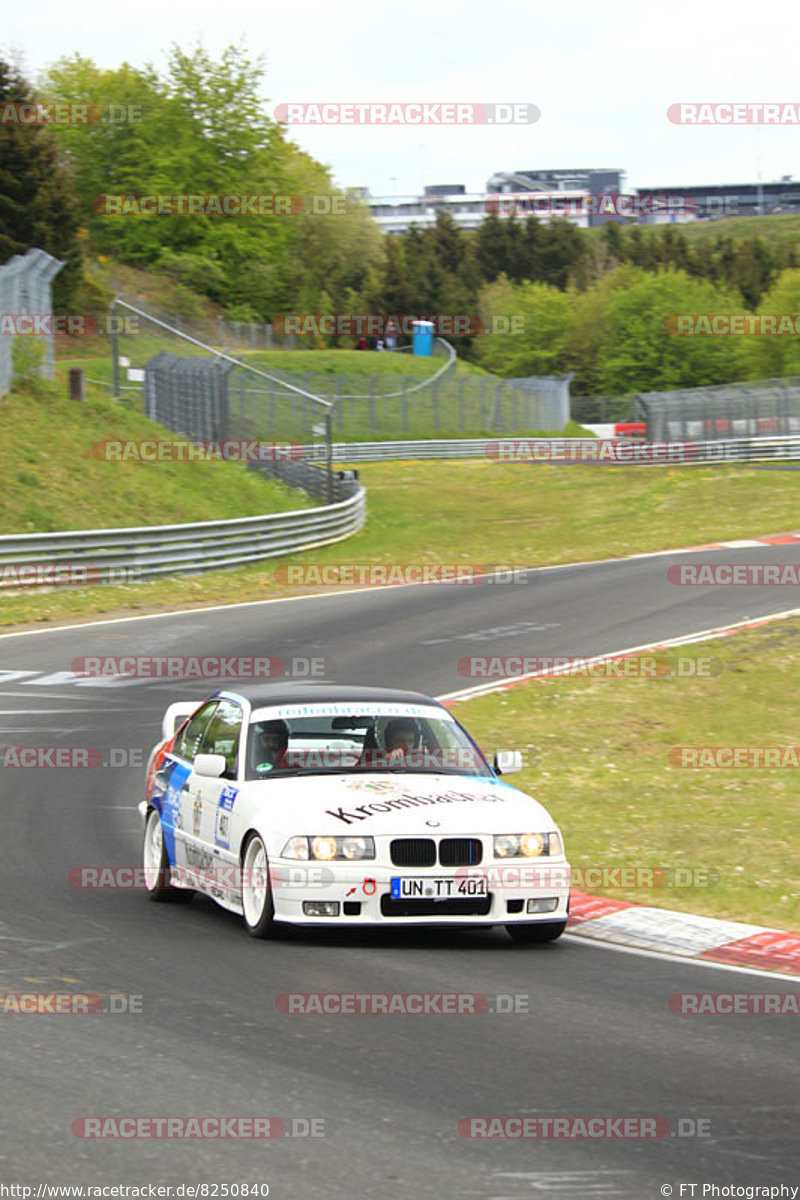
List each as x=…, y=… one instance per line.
x=772, y=539
x=618, y=922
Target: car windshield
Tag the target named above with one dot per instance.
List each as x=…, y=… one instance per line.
x=324, y=744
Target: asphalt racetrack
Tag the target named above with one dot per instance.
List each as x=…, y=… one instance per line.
x=597, y=1039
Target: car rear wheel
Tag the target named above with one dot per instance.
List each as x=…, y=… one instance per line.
x=534, y=934
x=156, y=863
x=257, y=906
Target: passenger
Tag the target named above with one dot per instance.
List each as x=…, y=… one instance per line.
x=270, y=742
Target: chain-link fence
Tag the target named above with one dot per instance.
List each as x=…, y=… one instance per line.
x=188, y=395
x=767, y=408
x=602, y=410
x=282, y=401
x=26, y=291
x=225, y=334
x=370, y=407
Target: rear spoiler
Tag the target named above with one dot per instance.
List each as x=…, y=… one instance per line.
x=176, y=714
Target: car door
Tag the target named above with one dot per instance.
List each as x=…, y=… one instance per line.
x=223, y=735
x=181, y=809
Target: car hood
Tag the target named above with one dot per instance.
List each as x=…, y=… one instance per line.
x=383, y=804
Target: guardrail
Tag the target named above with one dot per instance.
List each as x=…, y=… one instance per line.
x=755, y=449
x=89, y=556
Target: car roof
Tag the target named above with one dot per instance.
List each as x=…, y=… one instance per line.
x=261, y=695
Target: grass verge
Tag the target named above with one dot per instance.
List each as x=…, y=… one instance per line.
x=605, y=776
x=476, y=512
x=53, y=482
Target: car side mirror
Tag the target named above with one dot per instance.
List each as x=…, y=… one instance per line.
x=210, y=766
x=507, y=762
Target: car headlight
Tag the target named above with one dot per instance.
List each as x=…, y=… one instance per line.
x=527, y=845
x=325, y=848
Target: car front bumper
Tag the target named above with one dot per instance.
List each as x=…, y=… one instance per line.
x=363, y=894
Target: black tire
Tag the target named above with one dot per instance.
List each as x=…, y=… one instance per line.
x=535, y=934
x=156, y=864
x=258, y=910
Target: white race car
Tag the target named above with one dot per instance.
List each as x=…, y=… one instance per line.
x=327, y=805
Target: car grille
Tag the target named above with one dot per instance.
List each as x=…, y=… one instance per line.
x=413, y=852
x=460, y=852
x=421, y=852
x=476, y=907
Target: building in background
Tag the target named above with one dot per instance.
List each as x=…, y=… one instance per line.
x=591, y=181
x=396, y=214
x=578, y=195
x=734, y=199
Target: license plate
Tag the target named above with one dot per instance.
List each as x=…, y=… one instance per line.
x=426, y=887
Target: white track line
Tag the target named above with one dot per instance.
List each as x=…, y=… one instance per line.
x=712, y=547
x=703, y=635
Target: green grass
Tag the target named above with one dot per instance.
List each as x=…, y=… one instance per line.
x=605, y=777
x=482, y=512
x=52, y=481
x=372, y=391
x=776, y=230
x=357, y=362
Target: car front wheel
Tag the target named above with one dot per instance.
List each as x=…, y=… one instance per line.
x=257, y=906
x=156, y=863
x=535, y=934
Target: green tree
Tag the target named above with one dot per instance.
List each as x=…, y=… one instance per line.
x=37, y=203
x=562, y=252
x=641, y=353
x=492, y=247
x=769, y=356
x=203, y=132
x=539, y=317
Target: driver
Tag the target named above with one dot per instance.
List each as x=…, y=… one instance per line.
x=400, y=735
x=270, y=742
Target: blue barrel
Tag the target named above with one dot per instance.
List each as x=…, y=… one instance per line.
x=423, y=338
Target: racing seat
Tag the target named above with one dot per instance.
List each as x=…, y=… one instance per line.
x=368, y=749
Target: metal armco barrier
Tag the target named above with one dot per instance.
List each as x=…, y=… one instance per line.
x=126, y=555
x=755, y=449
